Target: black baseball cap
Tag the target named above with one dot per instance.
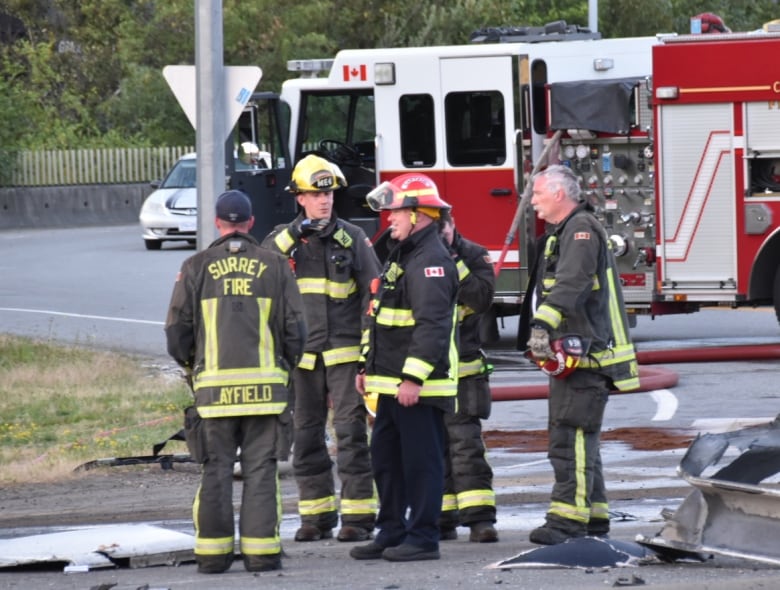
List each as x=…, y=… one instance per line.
x=234, y=206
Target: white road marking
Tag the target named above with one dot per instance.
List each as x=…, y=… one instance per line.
x=667, y=404
x=83, y=316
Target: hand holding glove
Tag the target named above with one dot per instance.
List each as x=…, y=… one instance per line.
x=539, y=344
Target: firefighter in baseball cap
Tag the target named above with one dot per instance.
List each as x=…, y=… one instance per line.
x=334, y=264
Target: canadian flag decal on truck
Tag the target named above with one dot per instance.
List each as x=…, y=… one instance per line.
x=354, y=73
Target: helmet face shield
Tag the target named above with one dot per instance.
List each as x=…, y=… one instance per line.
x=381, y=197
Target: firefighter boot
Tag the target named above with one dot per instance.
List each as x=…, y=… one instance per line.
x=214, y=564
x=598, y=527
x=309, y=532
x=483, y=532
x=353, y=534
x=557, y=530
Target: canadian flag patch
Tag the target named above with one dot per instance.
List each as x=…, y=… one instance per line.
x=582, y=235
x=434, y=271
x=353, y=73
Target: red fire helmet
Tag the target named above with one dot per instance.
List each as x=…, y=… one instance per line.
x=568, y=351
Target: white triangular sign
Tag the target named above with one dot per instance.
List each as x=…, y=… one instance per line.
x=240, y=82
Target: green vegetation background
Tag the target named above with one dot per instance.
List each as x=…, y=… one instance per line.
x=88, y=73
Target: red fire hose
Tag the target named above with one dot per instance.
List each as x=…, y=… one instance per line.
x=651, y=378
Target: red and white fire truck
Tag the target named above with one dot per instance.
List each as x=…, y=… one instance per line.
x=676, y=140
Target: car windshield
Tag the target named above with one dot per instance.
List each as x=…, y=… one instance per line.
x=182, y=175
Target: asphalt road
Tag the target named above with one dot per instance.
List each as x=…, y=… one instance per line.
x=100, y=287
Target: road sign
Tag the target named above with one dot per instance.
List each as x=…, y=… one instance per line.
x=240, y=82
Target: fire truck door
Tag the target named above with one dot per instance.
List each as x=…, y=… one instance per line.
x=477, y=108
x=697, y=192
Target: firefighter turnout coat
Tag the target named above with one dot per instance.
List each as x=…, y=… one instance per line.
x=236, y=322
x=413, y=335
x=599, y=316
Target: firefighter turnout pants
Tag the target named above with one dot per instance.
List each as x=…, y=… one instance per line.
x=261, y=509
x=578, y=503
x=312, y=465
x=468, y=478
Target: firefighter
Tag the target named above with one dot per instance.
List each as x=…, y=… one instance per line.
x=469, y=499
x=235, y=323
x=411, y=361
x=334, y=264
x=576, y=290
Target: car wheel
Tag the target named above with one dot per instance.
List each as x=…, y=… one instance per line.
x=153, y=244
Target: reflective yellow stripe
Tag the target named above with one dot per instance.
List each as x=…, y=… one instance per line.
x=473, y=498
x=569, y=511
x=611, y=356
x=549, y=315
x=317, y=506
x=359, y=506
x=599, y=510
x=284, y=241
x=615, y=314
x=217, y=546
x=468, y=368
x=417, y=368
x=463, y=270
x=222, y=377
x=338, y=356
x=322, y=286
x=308, y=361
x=580, y=459
x=464, y=311
x=260, y=545
x=430, y=388
x=211, y=334
x=449, y=502
x=226, y=411
x=389, y=316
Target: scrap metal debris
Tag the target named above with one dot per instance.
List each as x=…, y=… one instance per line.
x=582, y=552
x=82, y=549
x=728, y=513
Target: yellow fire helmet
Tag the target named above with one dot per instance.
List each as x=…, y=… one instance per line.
x=371, y=400
x=314, y=174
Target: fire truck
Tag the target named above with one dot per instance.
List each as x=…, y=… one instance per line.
x=675, y=139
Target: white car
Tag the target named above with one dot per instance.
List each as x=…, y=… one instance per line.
x=170, y=213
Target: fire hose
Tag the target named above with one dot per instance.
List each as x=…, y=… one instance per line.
x=651, y=378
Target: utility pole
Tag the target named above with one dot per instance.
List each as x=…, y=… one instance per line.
x=209, y=130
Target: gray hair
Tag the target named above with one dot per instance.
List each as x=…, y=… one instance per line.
x=561, y=177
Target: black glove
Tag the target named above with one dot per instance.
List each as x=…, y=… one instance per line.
x=539, y=344
x=307, y=227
